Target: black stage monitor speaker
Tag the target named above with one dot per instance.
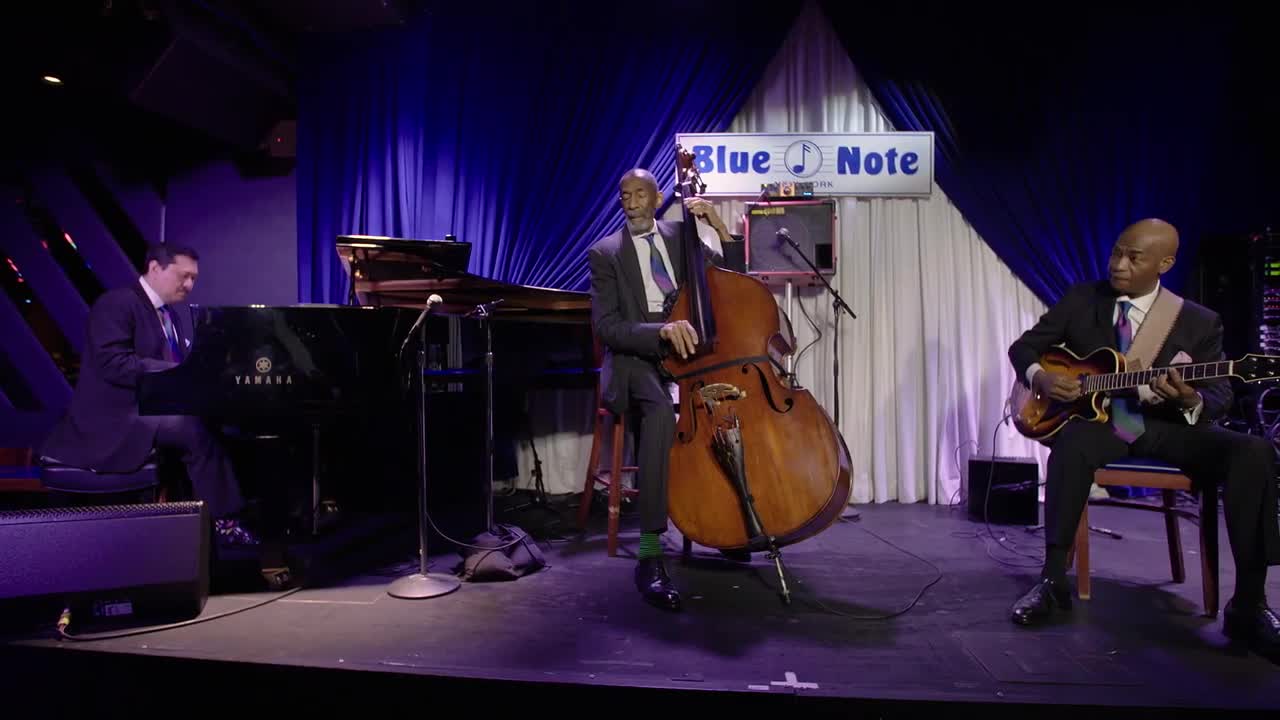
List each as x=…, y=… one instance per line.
x=1015, y=490
x=147, y=560
x=810, y=223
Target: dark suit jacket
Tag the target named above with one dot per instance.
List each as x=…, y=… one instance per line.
x=1082, y=321
x=620, y=310
x=101, y=429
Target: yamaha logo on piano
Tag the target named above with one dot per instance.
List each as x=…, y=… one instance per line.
x=263, y=366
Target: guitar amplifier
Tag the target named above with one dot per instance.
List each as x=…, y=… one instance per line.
x=146, y=560
x=1014, y=497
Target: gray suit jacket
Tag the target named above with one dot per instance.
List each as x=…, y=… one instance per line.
x=619, y=310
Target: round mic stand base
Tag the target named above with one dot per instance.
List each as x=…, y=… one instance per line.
x=419, y=586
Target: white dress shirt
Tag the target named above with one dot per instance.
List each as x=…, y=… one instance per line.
x=156, y=302
x=1138, y=309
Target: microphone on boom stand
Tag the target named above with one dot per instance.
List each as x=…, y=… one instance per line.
x=838, y=304
x=422, y=584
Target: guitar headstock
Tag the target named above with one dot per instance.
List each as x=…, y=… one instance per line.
x=687, y=175
x=1257, y=368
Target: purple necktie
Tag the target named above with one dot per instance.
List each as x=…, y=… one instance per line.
x=1125, y=416
x=174, y=353
x=659, y=268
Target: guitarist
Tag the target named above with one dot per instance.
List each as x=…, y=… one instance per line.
x=1171, y=420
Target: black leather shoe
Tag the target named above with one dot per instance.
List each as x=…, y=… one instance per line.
x=1256, y=627
x=742, y=556
x=654, y=584
x=1040, y=601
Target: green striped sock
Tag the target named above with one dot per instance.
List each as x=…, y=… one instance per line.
x=650, y=547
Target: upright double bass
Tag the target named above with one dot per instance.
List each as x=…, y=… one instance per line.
x=756, y=463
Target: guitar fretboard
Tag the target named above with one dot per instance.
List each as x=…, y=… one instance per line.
x=1126, y=380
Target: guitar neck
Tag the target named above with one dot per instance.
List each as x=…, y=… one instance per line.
x=1138, y=378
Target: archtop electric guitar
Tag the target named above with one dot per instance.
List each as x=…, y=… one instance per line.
x=1103, y=372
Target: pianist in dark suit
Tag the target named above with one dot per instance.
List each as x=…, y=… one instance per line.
x=632, y=272
x=145, y=327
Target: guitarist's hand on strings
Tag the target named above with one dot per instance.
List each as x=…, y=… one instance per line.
x=1171, y=387
x=1058, y=387
x=681, y=335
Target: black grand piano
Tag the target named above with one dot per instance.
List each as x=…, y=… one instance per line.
x=540, y=336
x=322, y=395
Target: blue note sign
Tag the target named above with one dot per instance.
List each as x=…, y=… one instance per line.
x=876, y=164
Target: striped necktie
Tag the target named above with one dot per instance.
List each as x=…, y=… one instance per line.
x=1125, y=415
x=659, y=268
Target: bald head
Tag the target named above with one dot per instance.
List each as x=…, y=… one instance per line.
x=1144, y=251
x=642, y=175
x=1154, y=234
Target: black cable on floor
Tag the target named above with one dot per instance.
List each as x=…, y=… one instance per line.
x=64, y=621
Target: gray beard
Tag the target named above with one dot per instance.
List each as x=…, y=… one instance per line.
x=639, y=227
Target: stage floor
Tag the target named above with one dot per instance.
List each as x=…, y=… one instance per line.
x=579, y=623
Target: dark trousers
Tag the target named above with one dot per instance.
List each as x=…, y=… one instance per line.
x=1244, y=466
x=651, y=404
x=213, y=479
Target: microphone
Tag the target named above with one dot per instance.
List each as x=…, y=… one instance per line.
x=782, y=238
x=431, y=302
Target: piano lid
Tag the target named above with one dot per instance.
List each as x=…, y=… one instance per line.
x=404, y=273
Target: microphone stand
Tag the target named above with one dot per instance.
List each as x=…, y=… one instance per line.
x=838, y=305
x=482, y=313
x=422, y=584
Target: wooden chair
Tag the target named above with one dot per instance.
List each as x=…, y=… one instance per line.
x=614, y=481
x=1168, y=480
x=21, y=474
x=616, y=468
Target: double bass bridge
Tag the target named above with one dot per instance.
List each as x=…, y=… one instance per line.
x=716, y=393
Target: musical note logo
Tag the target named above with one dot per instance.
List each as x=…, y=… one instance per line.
x=803, y=159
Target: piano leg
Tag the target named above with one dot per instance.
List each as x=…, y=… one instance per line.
x=315, y=479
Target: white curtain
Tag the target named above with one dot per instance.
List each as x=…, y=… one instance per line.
x=924, y=373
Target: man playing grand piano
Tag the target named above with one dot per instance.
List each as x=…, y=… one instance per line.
x=632, y=272
x=145, y=327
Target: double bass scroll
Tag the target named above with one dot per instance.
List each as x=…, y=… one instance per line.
x=756, y=463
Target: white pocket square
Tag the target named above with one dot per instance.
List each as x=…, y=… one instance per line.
x=1182, y=358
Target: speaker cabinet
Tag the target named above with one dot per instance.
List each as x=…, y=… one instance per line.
x=145, y=560
x=1014, y=498
x=810, y=223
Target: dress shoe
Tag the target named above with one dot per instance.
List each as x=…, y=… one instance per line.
x=1039, y=602
x=1256, y=627
x=232, y=532
x=742, y=556
x=654, y=584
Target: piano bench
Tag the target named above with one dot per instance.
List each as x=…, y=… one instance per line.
x=101, y=487
x=614, y=481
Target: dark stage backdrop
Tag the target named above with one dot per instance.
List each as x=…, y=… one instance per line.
x=509, y=126
x=1057, y=126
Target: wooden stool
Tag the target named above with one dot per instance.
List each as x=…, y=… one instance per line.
x=614, y=483
x=1168, y=480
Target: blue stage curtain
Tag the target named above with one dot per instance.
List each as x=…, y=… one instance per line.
x=1057, y=127
x=509, y=126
